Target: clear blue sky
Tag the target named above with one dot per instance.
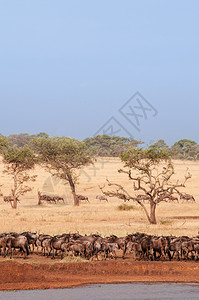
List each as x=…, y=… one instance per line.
x=66, y=67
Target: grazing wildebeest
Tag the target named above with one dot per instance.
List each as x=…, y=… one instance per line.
x=187, y=197
x=143, y=198
x=58, y=199
x=46, y=198
x=76, y=249
x=101, y=198
x=9, y=199
x=172, y=199
x=82, y=198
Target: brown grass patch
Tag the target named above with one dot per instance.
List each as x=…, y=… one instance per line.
x=125, y=207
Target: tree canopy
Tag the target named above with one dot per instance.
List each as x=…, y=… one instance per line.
x=105, y=145
x=3, y=143
x=18, y=161
x=160, y=144
x=62, y=157
x=23, y=139
x=185, y=149
x=113, y=146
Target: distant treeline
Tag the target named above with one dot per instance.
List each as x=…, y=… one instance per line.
x=113, y=146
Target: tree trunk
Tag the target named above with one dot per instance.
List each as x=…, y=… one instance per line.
x=14, y=192
x=152, y=219
x=11, y=204
x=72, y=186
x=39, y=198
x=76, y=200
x=14, y=202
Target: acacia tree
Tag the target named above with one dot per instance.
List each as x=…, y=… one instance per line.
x=3, y=145
x=62, y=157
x=18, y=162
x=185, y=149
x=160, y=144
x=148, y=176
x=106, y=145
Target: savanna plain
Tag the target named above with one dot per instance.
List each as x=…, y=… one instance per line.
x=103, y=218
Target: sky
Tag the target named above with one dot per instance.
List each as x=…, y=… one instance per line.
x=80, y=68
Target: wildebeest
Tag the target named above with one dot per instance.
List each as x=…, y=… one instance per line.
x=143, y=197
x=56, y=243
x=138, y=245
x=19, y=242
x=82, y=198
x=31, y=237
x=172, y=198
x=110, y=249
x=135, y=248
x=101, y=198
x=159, y=245
x=187, y=197
x=3, y=242
x=47, y=198
x=58, y=199
x=145, y=242
x=46, y=246
x=9, y=199
x=175, y=248
x=196, y=248
x=39, y=241
x=121, y=242
x=75, y=248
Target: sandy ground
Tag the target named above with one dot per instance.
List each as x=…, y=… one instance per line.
x=19, y=275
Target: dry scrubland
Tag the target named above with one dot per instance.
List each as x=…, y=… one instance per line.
x=104, y=218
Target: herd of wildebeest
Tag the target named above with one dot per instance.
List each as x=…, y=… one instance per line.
x=145, y=198
x=139, y=246
x=56, y=199
x=81, y=198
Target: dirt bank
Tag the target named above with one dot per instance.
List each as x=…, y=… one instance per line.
x=26, y=275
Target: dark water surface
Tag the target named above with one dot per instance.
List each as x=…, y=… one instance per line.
x=111, y=292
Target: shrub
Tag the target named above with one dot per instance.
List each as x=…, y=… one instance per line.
x=166, y=222
x=125, y=207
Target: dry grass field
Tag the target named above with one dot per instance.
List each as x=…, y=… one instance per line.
x=104, y=218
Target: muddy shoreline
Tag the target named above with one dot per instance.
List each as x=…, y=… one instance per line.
x=16, y=275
